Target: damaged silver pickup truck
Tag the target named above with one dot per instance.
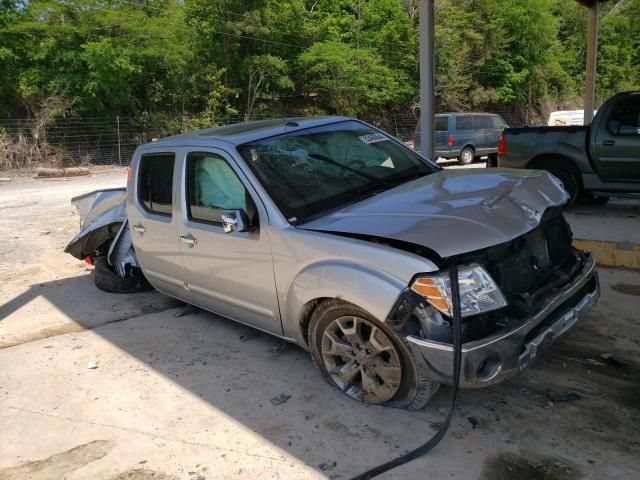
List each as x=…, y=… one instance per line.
x=332, y=235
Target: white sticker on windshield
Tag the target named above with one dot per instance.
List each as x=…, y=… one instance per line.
x=373, y=138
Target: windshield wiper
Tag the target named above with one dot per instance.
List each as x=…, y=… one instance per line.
x=371, y=178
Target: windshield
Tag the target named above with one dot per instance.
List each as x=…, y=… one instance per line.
x=319, y=169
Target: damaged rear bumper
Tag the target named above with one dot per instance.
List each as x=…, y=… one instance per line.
x=490, y=360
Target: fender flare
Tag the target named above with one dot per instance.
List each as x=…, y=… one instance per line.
x=342, y=279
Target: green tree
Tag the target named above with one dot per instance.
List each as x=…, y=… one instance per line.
x=349, y=80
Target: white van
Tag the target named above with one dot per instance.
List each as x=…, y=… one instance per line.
x=567, y=117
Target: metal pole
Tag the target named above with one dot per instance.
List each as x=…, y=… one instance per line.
x=426, y=78
x=592, y=58
x=118, y=126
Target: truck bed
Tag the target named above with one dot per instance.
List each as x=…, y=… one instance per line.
x=547, y=129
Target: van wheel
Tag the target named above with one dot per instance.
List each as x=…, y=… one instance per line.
x=569, y=182
x=466, y=156
x=107, y=280
x=364, y=358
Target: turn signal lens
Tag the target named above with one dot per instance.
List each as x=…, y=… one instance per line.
x=428, y=289
x=478, y=291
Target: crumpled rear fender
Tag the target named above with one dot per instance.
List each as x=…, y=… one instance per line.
x=102, y=214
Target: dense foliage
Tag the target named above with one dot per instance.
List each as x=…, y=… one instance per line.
x=202, y=58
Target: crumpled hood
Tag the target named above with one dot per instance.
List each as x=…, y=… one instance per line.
x=452, y=211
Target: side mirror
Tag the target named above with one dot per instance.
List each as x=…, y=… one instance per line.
x=235, y=221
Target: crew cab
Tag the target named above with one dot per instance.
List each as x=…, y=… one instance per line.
x=593, y=161
x=331, y=234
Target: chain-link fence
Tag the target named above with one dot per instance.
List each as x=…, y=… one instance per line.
x=112, y=140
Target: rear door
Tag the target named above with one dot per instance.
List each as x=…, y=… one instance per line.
x=617, y=141
x=228, y=273
x=153, y=221
x=442, y=135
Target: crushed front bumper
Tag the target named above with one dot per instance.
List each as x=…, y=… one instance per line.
x=490, y=360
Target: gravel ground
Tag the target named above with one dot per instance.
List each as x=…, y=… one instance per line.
x=103, y=386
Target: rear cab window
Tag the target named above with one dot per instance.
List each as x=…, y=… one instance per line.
x=624, y=118
x=155, y=183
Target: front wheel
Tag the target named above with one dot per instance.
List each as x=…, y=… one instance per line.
x=466, y=156
x=364, y=358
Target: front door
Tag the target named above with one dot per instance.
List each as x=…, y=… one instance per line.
x=617, y=142
x=153, y=221
x=228, y=273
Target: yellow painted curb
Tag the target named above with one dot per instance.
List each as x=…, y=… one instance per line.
x=611, y=254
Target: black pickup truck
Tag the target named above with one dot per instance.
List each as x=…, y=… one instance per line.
x=593, y=161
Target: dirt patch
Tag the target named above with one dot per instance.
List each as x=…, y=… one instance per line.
x=59, y=465
x=507, y=466
x=143, y=474
x=626, y=288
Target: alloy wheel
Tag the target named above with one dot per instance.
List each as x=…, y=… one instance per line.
x=361, y=359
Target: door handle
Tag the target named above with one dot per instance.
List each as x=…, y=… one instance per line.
x=188, y=239
x=608, y=143
x=139, y=228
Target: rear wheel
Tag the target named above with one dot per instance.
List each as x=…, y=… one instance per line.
x=364, y=358
x=466, y=156
x=109, y=281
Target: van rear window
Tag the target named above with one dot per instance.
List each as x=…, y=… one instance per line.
x=442, y=124
x=155, y=187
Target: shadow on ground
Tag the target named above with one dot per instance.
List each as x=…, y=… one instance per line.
x=240, y=372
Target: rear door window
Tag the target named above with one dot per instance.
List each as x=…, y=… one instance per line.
x=442, y=124
x=625, y=118
x=464, y=122
x=155, y=183
x=483, y=122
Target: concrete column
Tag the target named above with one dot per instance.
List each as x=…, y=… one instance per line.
x=427, y=68
x=592, y=61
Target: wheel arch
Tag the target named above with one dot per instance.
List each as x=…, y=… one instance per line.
x=347, y=281
x=468, y=145
x=546, y=161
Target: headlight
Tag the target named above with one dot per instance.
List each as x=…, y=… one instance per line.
x=478, y=291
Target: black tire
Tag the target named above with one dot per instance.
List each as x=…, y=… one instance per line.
x=492, y=160
x=467, y=155
x=415, y=389
x=569, y=182
x=107, y=280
